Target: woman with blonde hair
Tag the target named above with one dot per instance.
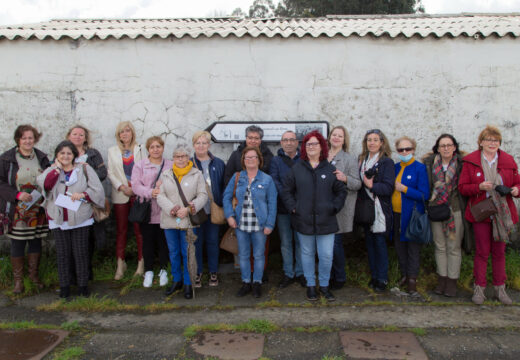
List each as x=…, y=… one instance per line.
x=490, y=173
x=346, y=172
x=212, y=169
x=121, y=159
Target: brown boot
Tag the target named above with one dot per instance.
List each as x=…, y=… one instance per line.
x=17, y=265
x=412, y=285
x=34, y=263
x=441, y=285
x=451, y=287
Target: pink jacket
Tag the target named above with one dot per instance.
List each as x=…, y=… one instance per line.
x=144, y=174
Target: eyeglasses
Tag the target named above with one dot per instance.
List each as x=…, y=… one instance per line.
x=289, y=140
x=492, y=140
x=250, y=157
x=180, y=156
x=374, y=131
x=446, y=146
x=254, y=138
x=312, y=144
x=400, y=150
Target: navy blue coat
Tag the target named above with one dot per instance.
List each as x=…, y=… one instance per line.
x=216, y=174
x=383, y=187
x=415, y=178
x=280, y=169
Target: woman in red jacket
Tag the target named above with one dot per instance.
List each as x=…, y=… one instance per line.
x=490, y=173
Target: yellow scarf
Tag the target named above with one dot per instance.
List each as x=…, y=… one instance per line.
x=180, y=172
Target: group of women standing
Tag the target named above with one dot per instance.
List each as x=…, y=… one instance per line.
x=325, y=192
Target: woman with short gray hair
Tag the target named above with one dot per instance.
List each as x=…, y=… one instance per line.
x=175, y=215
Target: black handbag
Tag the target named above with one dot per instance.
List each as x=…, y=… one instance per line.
x=440, y=212
x=200, y=217
x=141, y=210
x=365, y=213
x=419, y=229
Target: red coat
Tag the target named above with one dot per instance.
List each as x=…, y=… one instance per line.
x=472, y=175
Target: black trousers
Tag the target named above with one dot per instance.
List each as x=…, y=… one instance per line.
x=408, y=252
x=72, y=244
x=154, y=241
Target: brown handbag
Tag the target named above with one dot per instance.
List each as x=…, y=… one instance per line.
x=216, y=212
x=99, y=213
x=483, y=210
x=229, y=240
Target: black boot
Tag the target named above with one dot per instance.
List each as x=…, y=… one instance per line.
x=188, y=292
x=257, y=289
x=176, y=285
x=311, y=293
x=324, y=290
x=302, y=281
x=83, y=291
x=244, y=290
x=286, y=281
x=65, y=292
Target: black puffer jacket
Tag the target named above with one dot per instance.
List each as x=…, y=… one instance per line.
x=313, y=197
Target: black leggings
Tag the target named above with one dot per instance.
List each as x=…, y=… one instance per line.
x=18, y=247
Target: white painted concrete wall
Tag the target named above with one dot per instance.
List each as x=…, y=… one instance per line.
x=415, y=87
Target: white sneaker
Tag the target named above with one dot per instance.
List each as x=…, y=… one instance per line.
x=148, y=279
x=163, y=277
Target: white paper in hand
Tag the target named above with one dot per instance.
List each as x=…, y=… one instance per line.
x=66, y=202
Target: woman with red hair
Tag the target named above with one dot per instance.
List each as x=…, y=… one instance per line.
x=314, y=196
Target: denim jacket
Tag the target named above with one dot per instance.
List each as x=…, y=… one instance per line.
x=263, y=193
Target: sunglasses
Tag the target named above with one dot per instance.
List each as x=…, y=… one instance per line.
x=374, y=131
x=400, y=150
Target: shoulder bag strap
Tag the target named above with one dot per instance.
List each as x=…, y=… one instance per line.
x=237, y=176
x=181, y=193
x=159, y=175
x=208, y=190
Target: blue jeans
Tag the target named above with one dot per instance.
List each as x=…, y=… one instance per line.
x=292, y=262
x=377, y=255
x=338, y=260
x=325, y=246
x=178, y=251
x=245, y=240
x=207, y=233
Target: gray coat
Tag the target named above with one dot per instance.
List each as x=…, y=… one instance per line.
x=93, y=188
x=347, y=164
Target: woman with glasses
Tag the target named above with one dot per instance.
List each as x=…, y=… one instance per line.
x=175, y=214
x=346, y=172
x=253, y=218
x=212, y=169
x=314, y=196
x=376, y=169
x=490, y=173
x=443, y=166
x=411, y=190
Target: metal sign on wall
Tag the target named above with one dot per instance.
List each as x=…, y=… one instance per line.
x=234, y=131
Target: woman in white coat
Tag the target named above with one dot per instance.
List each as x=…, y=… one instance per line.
x=121, y=159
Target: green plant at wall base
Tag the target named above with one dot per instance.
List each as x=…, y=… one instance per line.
x=258, y=326
x=25, y=325
x=89, y=304
x=71, y=326
x=71, y=353
x=418, y=331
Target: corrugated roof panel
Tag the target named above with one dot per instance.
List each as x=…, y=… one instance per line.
x=362, y=25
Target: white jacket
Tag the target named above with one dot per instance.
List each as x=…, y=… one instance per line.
x=116, y=173
x=194, y=189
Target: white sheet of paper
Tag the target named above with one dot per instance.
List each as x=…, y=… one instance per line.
x=66, y=202
x=36, y=195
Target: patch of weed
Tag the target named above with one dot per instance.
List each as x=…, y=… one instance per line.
x=89, y=304
x=269, y=303
x=74, y=352
x=418, y=331
x=25, y=325
x=71, y=326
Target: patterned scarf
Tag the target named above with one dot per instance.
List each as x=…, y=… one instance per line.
x=501, y=221
x=443, y=183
